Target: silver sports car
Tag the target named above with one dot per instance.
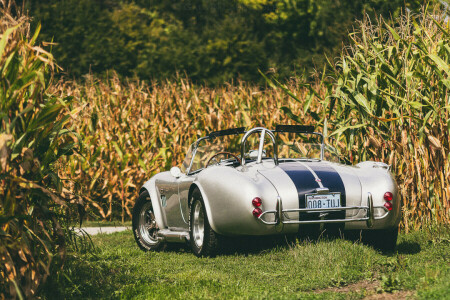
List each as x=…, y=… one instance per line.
x=264, y=182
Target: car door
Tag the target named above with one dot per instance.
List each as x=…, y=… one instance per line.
x=173, y=194
x=167, y=188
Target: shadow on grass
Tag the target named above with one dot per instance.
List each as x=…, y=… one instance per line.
x=251, y=245
x=408, y=247
x=241, y=245
x=254, y=245
x=83, y=278
x=258, y=244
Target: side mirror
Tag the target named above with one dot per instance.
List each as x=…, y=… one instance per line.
x=175, y=172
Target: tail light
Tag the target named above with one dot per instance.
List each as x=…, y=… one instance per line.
x=257, y=212
x=388, y=205
x=257, y=202
x=388, y=196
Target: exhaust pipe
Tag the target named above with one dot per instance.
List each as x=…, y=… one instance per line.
x=173, y=236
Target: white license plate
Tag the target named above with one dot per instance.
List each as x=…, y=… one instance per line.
x=323, y=201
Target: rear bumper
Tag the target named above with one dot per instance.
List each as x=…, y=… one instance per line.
x=280, y=215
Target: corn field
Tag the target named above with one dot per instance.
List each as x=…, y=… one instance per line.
x=133, y=130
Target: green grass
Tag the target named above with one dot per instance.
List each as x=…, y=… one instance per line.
x=118, y=269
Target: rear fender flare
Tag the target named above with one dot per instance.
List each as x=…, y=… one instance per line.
x=194, y=186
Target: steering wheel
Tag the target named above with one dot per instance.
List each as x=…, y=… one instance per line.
x=223, y=153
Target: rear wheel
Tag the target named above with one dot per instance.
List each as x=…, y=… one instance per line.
x=145, y=229
x=203, y=240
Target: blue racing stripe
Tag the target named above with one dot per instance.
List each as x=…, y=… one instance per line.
x=303, y=179
x=330, y=178
x=306, y=183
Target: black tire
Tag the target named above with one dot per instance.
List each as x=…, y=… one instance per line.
x=208, y=244
x=382, y=239
x=145, y=229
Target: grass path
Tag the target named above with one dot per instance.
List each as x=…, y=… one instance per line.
x=324, y=269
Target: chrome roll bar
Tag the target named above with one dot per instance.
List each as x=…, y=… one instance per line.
x=264, y=131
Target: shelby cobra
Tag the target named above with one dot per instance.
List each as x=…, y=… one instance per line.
x=286, y=184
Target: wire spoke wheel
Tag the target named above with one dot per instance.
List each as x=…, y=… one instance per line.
x=147, y=224
x=145, y=228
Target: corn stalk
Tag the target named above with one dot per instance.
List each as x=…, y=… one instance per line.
x=33, y=137
x=391, y=104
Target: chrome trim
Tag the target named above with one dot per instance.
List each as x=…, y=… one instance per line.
x=261, y=146
x=370, y=210
x=322, y=190
x=244, y=139
x=194, y=152
x=280, y=214
x=322, y=148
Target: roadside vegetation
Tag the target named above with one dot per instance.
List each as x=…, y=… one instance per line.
x=323, y=269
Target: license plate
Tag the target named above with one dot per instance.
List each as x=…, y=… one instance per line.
x=323, y=201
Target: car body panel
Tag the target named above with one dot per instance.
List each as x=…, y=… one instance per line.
x=227, y=193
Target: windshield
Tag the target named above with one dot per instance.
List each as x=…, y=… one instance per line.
x=187, y=160
x=211, y=147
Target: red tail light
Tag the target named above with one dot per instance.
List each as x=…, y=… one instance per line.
x=257, y=202
x=388, y=196
x=257, y=212
x=388, y=205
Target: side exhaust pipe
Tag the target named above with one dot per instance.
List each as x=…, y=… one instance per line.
x=173, y=236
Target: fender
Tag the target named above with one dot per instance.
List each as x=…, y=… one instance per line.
x=160, y=217
x=232, y=199
x=197, y=185
x=376, y=178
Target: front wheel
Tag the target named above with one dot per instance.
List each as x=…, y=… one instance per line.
x=203, y=240
x=145, y=229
